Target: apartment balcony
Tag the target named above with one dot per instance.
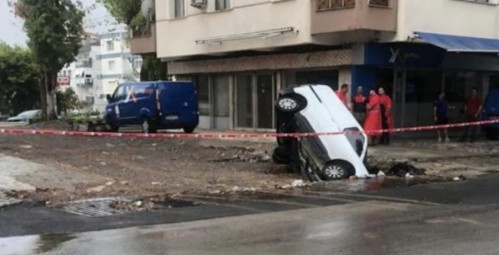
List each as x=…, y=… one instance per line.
x=144, y=42
x=84, y=63
x=86, y=81
x=332, y=16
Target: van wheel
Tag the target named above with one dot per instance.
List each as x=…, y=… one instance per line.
x=189, y=130
x=336, y=171
x=148, y=126
x=111, y=128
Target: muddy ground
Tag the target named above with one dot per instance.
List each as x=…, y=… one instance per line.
x=62, y=168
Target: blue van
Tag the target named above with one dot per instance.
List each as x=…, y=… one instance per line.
x=153, y=106
x=491, y=112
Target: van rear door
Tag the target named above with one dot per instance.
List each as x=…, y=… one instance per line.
x=178, y=104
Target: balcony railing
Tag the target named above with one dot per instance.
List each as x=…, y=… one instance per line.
x=84, y=81
x=326, y=5
x=332, y=16
x=144, y=41
x=84, y=64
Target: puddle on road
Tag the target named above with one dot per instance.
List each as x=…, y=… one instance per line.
x=377, y=184
x=47, y=243
x=33, y=244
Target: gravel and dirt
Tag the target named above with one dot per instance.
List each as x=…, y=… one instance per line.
x=62, y=168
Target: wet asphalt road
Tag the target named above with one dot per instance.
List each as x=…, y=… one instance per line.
x=347, y=218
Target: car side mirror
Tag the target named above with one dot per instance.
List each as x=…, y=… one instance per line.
x=109, y=98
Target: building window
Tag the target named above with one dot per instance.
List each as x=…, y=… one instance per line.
x=110, y=45
x=69, y=73
x=222, y=5
x=380, y=3
x=178, y=8
x=323, y=5
x=111, y=65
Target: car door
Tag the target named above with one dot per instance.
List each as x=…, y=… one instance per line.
x=115, y=106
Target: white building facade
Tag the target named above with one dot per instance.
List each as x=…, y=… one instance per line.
x=104, y=62
x=241, y=53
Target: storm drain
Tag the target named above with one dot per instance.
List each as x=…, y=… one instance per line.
x=97, y=207
x=112, y=206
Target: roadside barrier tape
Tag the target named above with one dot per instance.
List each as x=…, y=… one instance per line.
x=240, y=135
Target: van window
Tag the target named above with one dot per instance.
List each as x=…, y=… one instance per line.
x=119, y=93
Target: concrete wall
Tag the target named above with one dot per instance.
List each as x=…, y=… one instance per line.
x=177, y=37
x=456, y=17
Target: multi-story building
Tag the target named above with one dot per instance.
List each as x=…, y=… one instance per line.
x=104, y=62
x=241, y=53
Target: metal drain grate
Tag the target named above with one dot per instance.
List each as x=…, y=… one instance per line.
x=98, y=207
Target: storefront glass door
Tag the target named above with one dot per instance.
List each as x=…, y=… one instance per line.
x=244, y=101
x=265, y=101
x=221, y=102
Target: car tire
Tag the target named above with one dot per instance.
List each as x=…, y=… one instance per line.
x=189, y=130
x=290, y=103
x=148, y=126
x=337, y=170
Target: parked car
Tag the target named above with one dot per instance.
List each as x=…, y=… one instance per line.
x=491, y=112
x=26, y=116
x=317, y=109
x=153, y=106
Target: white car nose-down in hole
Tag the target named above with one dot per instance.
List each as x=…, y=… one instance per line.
x=317, y=109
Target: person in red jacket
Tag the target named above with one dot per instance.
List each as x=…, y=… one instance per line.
x=342, y=94
x=386, y=115
x=472, y=110
x=373, y=117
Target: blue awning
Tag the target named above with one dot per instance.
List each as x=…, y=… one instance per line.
x=455, y=43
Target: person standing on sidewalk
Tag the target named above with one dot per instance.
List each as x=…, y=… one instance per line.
x=386, y=115
x=373, y=117
x=472, y=110
x=359, y=102
x=342, y=94
x=440, y=113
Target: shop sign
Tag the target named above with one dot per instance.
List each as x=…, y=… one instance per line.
x=414, y=55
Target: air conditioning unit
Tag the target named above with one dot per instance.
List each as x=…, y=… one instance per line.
x=201, y=4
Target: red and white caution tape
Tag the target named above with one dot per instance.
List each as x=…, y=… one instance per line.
x=236, y=135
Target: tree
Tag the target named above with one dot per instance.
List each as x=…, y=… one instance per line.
x=55, y=32
x=19, y=79
x=68, y=100
x=129, y=13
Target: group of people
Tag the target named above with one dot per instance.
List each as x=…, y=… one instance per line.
x=472, y=110
x=373, y=112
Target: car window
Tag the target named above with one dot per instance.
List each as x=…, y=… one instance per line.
x=28, y=113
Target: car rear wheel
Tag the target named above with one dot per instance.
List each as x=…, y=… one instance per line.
x=148, y=126
x=336, y=171
x=290, y=103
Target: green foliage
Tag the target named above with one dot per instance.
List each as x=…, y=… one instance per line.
x=19, y=80
x=153, y=69
x=124, y=11
x=68, y=100
x=55, y=31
